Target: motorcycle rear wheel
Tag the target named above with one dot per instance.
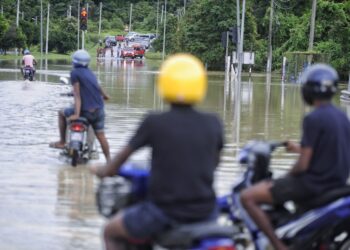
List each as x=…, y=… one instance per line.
x=345, y=245
x=75, y=157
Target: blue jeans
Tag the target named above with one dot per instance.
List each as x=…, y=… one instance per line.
x=95, y=118
x=145, y=220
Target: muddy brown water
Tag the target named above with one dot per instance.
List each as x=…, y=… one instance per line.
x=47, y=204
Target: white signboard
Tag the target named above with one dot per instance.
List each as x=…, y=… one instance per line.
x=248, y=57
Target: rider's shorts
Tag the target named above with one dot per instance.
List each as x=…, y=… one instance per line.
x=96, y=118
x=290, y=188
x=145, y=220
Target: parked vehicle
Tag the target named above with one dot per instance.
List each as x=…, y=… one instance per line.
x=320, y=223
x=119, y=38
x=143, y=41
x=80, y=138
x=130, y=187
x=127, y=52
x=131, y=36
x=139, y=51
x=28, y=73
x=110, y=41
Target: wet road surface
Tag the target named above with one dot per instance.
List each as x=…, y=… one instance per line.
x=46, y=204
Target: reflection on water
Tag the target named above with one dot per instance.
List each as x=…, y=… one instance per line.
x=47, y=204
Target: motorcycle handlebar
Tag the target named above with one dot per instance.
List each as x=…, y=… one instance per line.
x=275, y=145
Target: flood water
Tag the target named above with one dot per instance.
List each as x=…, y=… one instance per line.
x=47, y=204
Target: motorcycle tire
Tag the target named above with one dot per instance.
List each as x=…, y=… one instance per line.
x=75, y=157
x=345, y=245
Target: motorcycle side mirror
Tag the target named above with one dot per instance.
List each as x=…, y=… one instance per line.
x=64, y=80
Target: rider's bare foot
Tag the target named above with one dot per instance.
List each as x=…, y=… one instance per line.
x=57, y=144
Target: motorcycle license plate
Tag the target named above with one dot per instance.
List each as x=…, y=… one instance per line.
x=76, y=136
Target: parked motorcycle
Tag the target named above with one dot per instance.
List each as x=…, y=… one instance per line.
x=28, y=73
x=321, y=223
x=130, y=187
x=80, y=138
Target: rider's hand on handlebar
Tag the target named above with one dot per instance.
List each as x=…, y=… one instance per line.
x=292, y=147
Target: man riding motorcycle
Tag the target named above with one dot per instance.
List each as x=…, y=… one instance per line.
x=28, y=61
x=186, y=147
x=324, y=160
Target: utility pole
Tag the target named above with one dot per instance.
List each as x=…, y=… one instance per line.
x=47, y=28
x=99, y=24
x=41, y=27
x=82, y=39
x=312, y=30
x=238, y=17
x=130, y=17
x=312, y=25
x=269, y=57
x=78, y=24
x=157, y=18
x=163, y=56
x=240, y=54
x=17, y=17
x=70, y=11
x=227, y=66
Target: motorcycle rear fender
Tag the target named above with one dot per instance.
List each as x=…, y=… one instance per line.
x=316, y=219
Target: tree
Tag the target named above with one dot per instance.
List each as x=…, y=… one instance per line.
x=4, y=25
x=13, y=38
x=31, y=31
x=63, y=36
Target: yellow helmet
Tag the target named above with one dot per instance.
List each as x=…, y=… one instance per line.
x=182, y=79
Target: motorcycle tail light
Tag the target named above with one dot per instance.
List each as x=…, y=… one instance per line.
x=222, y=248
x=76, y=127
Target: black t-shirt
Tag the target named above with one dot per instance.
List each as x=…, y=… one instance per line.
x=327, y=131
x=185, y=147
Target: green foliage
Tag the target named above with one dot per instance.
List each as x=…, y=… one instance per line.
x=13, y=38
x=4, y=25
x=63, y=37
x=31, y=32
x=199, y=30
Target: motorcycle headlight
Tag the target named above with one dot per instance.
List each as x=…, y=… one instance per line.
x=113, y=194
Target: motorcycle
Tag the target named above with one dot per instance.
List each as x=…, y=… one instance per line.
x=28, y=73
x=321, y=223
x=80, y=138
x=130, y=187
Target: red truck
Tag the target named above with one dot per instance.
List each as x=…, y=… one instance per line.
x=119, y=38
x=139, y=50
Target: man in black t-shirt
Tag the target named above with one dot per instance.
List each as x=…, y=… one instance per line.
x=185, y=145
x=324, y=159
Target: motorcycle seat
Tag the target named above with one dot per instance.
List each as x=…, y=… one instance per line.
x=183, y=236
x=82, y=120
x=324, y=199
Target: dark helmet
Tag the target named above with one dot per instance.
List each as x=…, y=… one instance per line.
x=81, y=58
x=26, y=52
x=319, y=82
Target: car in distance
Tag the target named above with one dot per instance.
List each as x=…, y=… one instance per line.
x=131, y=36
x=110, y=40
x=127, y=52
x=119, y=38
